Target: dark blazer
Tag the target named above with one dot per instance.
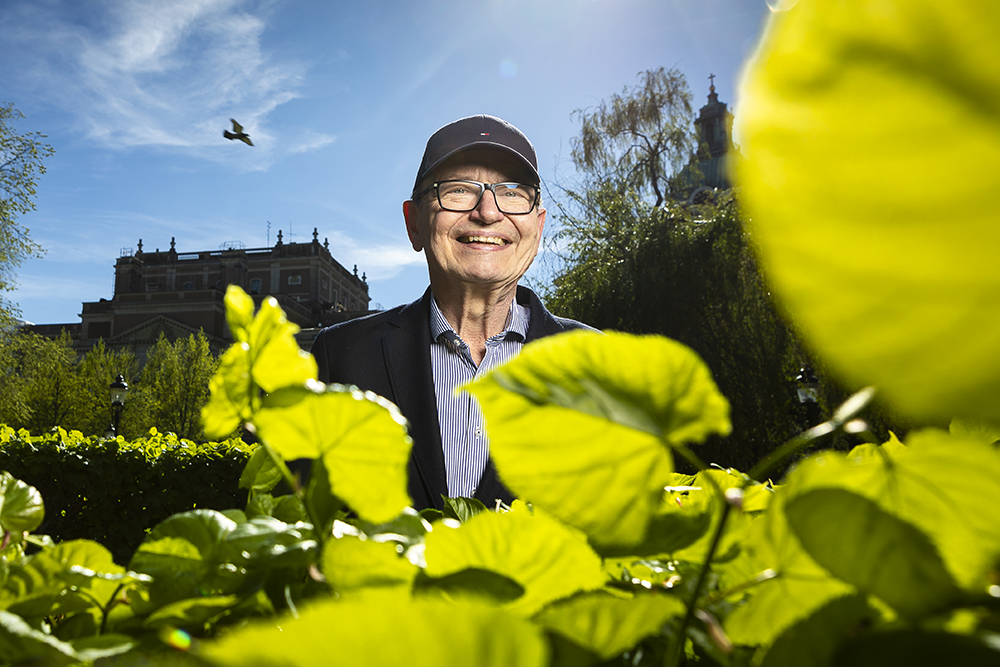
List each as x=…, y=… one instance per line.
x=389, y=353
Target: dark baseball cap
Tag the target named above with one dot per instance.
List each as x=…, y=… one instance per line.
x=476, y=132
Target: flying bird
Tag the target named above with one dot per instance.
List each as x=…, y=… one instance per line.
x=237, y=133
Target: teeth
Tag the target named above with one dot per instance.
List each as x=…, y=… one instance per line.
x=484, y=239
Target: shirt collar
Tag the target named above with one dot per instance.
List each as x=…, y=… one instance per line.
x=517, y=321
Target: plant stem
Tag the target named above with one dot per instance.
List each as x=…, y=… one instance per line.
x=106, y=609
x=677, y=646
x=816, y=434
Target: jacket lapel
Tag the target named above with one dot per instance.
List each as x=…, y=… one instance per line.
x=406, y=346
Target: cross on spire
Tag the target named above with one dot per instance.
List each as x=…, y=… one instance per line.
x=711, y=78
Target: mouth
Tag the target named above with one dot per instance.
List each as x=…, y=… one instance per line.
x=488, y=240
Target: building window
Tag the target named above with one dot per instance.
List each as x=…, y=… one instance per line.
x=152, y=286
x=255, y=286
x=189, y=286
x=295, y=279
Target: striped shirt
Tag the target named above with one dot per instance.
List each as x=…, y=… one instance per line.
x=463, y=430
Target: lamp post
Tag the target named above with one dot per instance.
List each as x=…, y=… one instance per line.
x=118, y=390
x=808, y=395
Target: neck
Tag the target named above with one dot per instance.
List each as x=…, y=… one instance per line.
x=475, y=314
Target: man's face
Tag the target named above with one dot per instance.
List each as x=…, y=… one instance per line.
x=481, y=246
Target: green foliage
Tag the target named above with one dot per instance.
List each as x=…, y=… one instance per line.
x=95, y=372
x=641, y=138
x=689, y=273
x=39, y=386
x=44, y=385
x=173, y=386
x=880, y=243
x=21, y=164
x=886, y=554
x=850, y=552
x=113, y=491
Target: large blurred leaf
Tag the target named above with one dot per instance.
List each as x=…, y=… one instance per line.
x=607, y=625
x=798, y=587
x=580, y=424
x=261, y=473
x=871, y=132
x=387, y=630
x=872, y=550
x=814, y=640
x=550, y=560
x=21, y=507
x=947, y=486
x=64, y=579
x=916, y=649
x=350, y=563
x=361, y=437
x=22, y=644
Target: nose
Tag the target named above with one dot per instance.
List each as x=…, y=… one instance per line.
x=487, y=210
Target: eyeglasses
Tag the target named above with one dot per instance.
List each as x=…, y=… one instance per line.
x=463, y=196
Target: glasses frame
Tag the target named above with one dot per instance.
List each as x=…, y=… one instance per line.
x=485, y=186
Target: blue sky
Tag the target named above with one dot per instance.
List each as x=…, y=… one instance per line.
x=339, y=99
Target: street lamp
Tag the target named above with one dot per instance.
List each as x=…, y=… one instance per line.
x=808, y=394
x=118, y=390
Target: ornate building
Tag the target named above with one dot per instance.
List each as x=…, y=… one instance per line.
x=708, y=169
x=181, y=293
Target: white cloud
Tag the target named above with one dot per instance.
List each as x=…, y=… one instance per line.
x=161, y=74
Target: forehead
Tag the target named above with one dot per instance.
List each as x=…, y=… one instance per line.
x=484, y=165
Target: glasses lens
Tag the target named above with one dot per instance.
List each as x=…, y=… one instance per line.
x=459, y=195
x=514, y=197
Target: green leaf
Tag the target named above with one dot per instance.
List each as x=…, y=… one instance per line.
x=387, y=630
x=361, y=437
x=183, y=554
x=580, y=424
x=914, y=648
x=191, y=613
x=893, y=276
x=50, y=582
x=550, y=560
x=276, y=359
x=233, y=399
x=462, y=509
x=473, y=582
x=350, y=564
x=239, y=312
x=814, y=640
x=960, y=516
x=607, y=625
x=21, y=506
x=797, y=588
x=872, y=550
x=20, y=643
x=261, y=473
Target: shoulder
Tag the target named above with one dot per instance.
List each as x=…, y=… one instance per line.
x=544, y=323
x=370, y=325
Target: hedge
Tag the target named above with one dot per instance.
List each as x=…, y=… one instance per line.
x=114, y=491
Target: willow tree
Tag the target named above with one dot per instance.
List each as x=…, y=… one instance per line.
x=21, y=164
x=640, y=138
x=636, y=256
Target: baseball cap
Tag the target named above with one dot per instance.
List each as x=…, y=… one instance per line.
x=480, y=131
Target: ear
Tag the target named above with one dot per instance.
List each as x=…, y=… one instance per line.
x=412, y=229
x=541, y=227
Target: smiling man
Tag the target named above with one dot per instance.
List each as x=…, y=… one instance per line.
x=476, y=215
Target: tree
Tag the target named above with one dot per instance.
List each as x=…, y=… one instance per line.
x=636, y=257
x=38, y=383
x=95, y=373
x=174, y=384
x=639, y=139
x=21, y=164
